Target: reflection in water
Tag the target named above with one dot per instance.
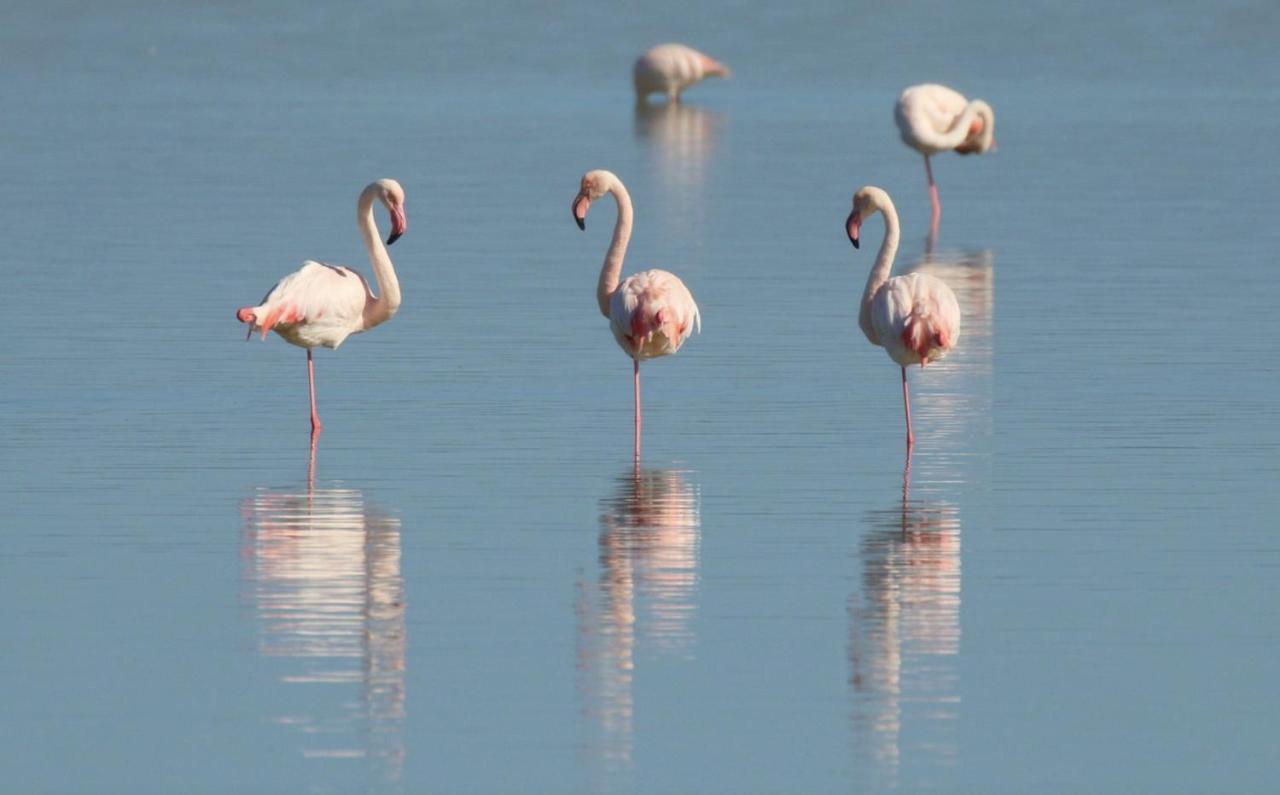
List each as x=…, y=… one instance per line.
x=904, y=635
x=648, y=584
x=322, y=569
x=682, y=139
x=954, y=403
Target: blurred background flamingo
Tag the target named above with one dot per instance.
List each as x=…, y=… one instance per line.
x=932, y=119
x=669, y=69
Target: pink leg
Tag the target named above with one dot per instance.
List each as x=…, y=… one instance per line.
x=311, y=381
x=906, y=403
x=637, y=387
x=933, y=200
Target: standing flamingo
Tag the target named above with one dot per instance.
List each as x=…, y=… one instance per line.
x=321, y=304
x=915, y=317
x=933, y=118
x=651, y=313
x=671, y=68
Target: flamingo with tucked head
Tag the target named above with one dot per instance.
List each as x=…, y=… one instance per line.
x=651, y=313
x=321, y=305
x=671, y=68
x=933, y=118
x=914, y=317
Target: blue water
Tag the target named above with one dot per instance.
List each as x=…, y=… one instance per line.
x=471, y=588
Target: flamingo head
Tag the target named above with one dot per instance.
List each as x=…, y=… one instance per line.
x=391, y=195
x=713, y=68
x=982, y=131
x=594, y=185
x=866, y=202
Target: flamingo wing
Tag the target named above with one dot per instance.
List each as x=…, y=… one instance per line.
x=317, y=304
x=654, y=301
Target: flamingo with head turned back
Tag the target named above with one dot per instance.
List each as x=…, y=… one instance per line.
x=933, y=118
x=651, y=313
x=671, y=68
x=321, y=305
x=915, y=317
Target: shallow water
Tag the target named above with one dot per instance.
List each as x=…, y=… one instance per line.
x=470, y=588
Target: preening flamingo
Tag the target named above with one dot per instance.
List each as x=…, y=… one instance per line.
x=933, y=118
x=671, y=68
x=651, y=313
x=321, y=304
x=915, y=317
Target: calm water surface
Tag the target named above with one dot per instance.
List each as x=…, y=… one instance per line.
x=470, y=588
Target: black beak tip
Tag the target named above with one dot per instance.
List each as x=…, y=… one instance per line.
x=393, y=238
x=582, y=223
x=854, y=241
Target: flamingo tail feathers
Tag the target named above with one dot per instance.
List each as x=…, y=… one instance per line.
x=253, y=315
x=922, y=333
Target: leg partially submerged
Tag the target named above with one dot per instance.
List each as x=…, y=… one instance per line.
x=311, y=382
x=636, y=363
x=906, y=404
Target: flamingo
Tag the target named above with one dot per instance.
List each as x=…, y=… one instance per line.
x=915, y=317
x=321, y=304
x=651, y=313
x=671, y=68
x=933, y=118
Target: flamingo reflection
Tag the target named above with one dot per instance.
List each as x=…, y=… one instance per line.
x=649, y=539
x=956, y=400
x=904, y=635
x=682, y=139
x=322, y=569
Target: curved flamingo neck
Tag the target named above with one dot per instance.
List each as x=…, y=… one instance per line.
x=959, y=131
x=880, y=270
x=377, y=309
x=611, y=271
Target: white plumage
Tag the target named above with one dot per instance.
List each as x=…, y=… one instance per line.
x=919, y=305
x=657, y=300
x=932, y=118
x=318, y=305
x=669, y=69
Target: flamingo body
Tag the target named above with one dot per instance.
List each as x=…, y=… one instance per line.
x=318, y=305
x=933, y=118
x=652, y=313
x=321, y=305
x=929, y=120
x=914, y=317
x=669, y=69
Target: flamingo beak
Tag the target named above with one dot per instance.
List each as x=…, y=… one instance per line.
x=852, y=225
x=580, y=207
x=398, y=224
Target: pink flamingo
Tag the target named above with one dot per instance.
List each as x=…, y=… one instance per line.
x=321, y=304
x=933, y=118
x=651, y=313
x=671, y=68
x=915, y=317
